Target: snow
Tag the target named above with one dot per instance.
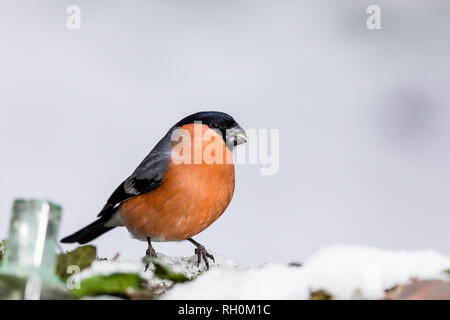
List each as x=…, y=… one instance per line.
x=343, y=269
x=271, y=281
x=346, y=272
x=105, y=267
x=185, y=265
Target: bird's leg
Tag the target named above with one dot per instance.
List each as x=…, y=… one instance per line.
x=201, y=253
x=150, y=252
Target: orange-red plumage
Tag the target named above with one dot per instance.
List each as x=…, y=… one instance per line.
x=190, y=198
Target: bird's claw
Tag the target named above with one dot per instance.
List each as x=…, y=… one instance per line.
x=201, y=253
x=150, y=253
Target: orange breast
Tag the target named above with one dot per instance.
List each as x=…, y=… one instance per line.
x=190, y=198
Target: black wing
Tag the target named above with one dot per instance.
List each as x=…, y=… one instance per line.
x=147, y=177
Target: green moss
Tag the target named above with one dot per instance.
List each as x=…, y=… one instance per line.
x=117, y=284
x=82, y=257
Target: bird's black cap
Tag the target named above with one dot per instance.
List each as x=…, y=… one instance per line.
x=213, y=119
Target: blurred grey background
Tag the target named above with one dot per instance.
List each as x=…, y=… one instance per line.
x=363, y=115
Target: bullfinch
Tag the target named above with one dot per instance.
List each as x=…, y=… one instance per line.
x=181, y=187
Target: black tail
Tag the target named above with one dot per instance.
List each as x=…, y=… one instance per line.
x=89, y=232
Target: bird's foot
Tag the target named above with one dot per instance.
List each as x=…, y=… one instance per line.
x=150, y=253
x=201, y=253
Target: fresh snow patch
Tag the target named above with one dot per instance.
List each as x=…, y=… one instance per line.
x=271, y=281
x=346, y=272
x=185, y=265
x=105, y=268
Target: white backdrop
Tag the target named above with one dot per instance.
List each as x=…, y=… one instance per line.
x=363, y=115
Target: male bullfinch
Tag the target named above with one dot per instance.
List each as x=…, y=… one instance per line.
x=183, y=185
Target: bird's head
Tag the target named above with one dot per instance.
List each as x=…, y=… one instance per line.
x=231, y=131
